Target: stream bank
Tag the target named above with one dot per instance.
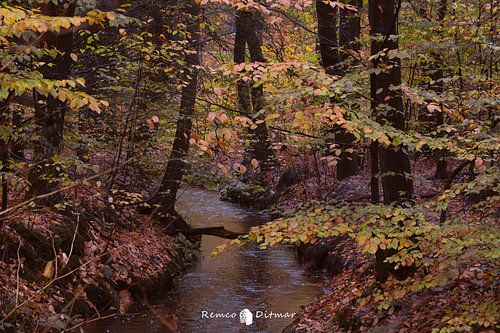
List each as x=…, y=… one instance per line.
x=270, y=283
x=61, y=268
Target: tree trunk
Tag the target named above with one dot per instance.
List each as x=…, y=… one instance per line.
x=387, y=104
x=374, y=181
x=49, y=111
x=387, y=100
x=4, y=149
x=350, y=27
x=437, y=85
x=249, y=27
x=328, y=41
x=176, y=168
x=331, y=60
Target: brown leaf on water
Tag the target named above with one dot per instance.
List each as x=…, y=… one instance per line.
x=126, y=301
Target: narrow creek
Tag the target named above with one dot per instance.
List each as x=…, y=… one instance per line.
x=247, y=278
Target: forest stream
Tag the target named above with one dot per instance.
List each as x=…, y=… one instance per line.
x=263, y=281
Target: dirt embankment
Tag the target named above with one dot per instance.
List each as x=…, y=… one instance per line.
x=59, y=269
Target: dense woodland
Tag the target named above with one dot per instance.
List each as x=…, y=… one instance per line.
x=369, y=124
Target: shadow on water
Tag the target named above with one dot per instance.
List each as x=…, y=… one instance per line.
x=263, y=281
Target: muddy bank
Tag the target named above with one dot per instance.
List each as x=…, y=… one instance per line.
x=59, y=269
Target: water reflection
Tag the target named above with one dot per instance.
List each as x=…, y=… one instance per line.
x=260, y=280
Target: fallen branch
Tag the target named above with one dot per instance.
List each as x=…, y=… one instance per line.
x=212, y=231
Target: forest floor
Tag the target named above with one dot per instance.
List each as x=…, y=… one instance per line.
x=339, y=310
x=60, y=268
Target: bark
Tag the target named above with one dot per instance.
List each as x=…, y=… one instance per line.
x=387, y=102
x=49, y=111
x=374, y=182
x=387, y=105
x=328, y=40
x=331, y=60
x=176, y=167
x=249, y=27
x=350, y=29
x=348, y=34
x=437, y=85
x=5, y=148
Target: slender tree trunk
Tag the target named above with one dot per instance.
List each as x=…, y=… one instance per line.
x=5, y=148
x=331, y=60
x=437, y=85
x=387, y=100
x=249, y=27
x=176, y=167
x=49, y=111
x=350, y=27
x=374, y=181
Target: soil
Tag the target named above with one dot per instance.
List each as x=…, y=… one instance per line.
x=61, y=268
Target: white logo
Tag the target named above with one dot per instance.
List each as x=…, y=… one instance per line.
x=246, y=317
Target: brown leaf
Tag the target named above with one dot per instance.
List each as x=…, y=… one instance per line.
x=126, y=301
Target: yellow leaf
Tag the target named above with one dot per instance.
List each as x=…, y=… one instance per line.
x=48, y=272
x=371, y=247
x=111, y=16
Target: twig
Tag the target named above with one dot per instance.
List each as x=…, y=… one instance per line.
x=74, y=237
x=125, y=126
x=55, y=254
x=43, y=196
x=68, y=305
x=88, y=321
x=18, y=270
x=17, y=307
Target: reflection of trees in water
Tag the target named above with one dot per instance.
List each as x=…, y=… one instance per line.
x=254, y=277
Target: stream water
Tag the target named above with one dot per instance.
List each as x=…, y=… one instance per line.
x=267, y=282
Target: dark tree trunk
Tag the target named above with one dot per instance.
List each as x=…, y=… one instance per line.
x=374, y=182
x=387, y=100
x=5, y=149
x=49, y=111
x=249, y=27
x=176, y=167
x=350, y=29
x=437, y=85
x=388, y=107
x=328, y=40
x=331, y=60
x=348, y=34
